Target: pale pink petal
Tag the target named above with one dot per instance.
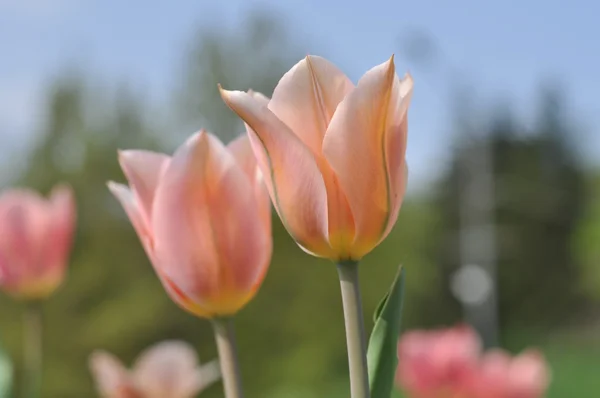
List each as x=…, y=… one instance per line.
x=111, y=378
x=365, y=139
x=209, y=238
x=305, y=99
x=168, y=369
x=143, y=170
x=133, y=210
x=528, y=376
x=291, y=173
x=263, y=99
x=307, y=96
x=241, y=150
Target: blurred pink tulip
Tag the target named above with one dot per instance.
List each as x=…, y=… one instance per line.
x=333, y=154
x=35, y=241
x=204, y=219
x=167, y=370
x=500, y=376
x=438, y=363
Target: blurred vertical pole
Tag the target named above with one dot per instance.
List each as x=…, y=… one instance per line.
x=477, y=233
x=474, y=284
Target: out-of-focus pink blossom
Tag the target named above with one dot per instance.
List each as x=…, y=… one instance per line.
x=35, y=241
x=438, y=363
x=501, y=376
x=167, y=370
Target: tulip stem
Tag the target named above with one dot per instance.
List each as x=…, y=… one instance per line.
x=32, y=324
x=355, y=329
x=225, y=336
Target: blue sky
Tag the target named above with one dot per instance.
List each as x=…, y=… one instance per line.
x=502, y=48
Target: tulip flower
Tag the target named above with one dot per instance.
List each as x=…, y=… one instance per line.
x=35, y=241
x=333, y=154
x=500, y=376
x=333, y=157
x=204, y=219
x=439, y=363
x=167, y=370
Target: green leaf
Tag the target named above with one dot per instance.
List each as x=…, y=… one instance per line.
x=382, y=354
x=6, y=374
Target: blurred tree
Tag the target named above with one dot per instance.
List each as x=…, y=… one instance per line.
x=539, y=200
x=254, y=59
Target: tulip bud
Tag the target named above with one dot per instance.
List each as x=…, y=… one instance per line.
x=35, y=240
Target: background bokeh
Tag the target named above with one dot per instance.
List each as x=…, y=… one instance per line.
x=501, y=226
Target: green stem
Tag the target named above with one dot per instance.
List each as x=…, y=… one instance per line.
x=32, y=323
x=355, y=329
x=230, y=370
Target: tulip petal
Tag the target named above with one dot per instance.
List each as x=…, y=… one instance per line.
x=143, y=170
x=111, y=377
x=133, y=210
x=365, y=139
x=241, y=150
x=291, y=173
x=305, y=99
x=168, y=369
x=209, y=240
x=60, y=232
x=307, y=96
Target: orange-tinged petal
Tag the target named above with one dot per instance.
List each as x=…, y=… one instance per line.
x=356, y=145
x=307, y=96
x=143, y=170
x=290, y=170
x=208, y=237
x=305, y=99
x=241, y=150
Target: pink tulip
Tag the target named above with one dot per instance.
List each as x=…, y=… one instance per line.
x=500, y=376
x=204, y=220
x=35, y=240
x=439, y=363
x=333, y=154
x=167, y=370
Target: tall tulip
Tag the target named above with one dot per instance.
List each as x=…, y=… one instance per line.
x=35, y=241
x=167, y=370
x=203, y=217
x=333, y=157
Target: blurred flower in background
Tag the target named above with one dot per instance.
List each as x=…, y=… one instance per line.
x=449, y=363
x=35, y=241
x=500, y=376
x=167, y=370
x=434, y=363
